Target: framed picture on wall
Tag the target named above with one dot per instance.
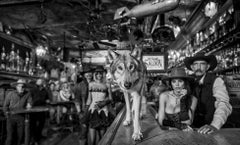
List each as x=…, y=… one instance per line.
x=155, y=62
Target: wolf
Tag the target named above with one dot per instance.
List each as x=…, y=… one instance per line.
x=129, y=72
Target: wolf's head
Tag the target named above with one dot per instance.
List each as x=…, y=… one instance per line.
x=126, y=69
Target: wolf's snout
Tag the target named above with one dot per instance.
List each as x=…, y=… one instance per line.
x=127, y=85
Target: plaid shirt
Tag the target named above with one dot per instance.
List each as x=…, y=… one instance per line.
x=13, y=101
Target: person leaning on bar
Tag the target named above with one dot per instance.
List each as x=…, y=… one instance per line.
x=177, y=105
x=16, y=99
x=213, y=106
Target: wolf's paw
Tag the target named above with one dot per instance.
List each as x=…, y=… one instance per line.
x=137, y=136
x=126, y=122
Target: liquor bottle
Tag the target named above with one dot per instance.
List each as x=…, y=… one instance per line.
x=235, y=57
x=197, y=39
x=26, y=63
x=12, y=58
x=221, y=26
x=238, y=54
x=216, y=28
x=3, y=59
x=17, y=63
x=30, y=69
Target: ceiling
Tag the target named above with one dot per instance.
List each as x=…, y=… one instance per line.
x=83, y=24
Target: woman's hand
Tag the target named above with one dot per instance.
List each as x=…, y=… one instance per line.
x=183, y=92
x=188, y=128
x=100, y=104
x=180, y=93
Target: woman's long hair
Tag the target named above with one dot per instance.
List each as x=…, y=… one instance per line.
x=188, y=100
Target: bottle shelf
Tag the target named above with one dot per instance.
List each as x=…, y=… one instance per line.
x=230, y=70
x=221, y=43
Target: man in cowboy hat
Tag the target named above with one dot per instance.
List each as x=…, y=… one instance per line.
x=16, y=99
x=213, y=106
x=81, y=89
x=81, y=94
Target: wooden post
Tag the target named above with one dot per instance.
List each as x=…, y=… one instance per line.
x=236, y=7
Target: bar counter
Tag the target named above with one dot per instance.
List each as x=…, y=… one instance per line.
x=153, y=135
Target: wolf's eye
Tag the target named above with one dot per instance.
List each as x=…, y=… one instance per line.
x=119, y=68
x=131, y=67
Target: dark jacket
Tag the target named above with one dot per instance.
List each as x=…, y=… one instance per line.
x=205, y=106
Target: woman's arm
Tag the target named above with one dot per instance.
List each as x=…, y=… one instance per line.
x=161, y=110
x=73, y=96
x=193, y=108
x=109, y=90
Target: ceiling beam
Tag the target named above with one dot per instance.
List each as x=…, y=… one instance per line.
x=47, y=25
x=13, y=2
x=59, y=24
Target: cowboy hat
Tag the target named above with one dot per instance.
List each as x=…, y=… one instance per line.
x=178, y=73
x=19, y=81
x=86, y=69
x=210, y=59
x=99, y=69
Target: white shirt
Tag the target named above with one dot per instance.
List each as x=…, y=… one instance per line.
x=222, y=106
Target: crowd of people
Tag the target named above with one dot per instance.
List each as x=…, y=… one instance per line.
x=182, y=101
x=89, y=97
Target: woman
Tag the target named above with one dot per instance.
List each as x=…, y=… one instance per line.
x=65, y=95
x=177, y=106
x=99, y=117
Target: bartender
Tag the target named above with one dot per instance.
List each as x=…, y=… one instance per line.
x=16, y=99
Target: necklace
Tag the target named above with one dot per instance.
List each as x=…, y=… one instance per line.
x=177, y=98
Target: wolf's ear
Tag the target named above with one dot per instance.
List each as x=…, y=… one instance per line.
x=112, y=55
x=137, y=53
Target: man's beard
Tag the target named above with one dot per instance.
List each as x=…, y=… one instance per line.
x=198, y=77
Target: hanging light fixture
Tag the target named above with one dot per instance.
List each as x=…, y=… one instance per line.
x=41, y=50
x=210, y=9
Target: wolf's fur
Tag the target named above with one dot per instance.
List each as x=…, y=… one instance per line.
x=129, y=72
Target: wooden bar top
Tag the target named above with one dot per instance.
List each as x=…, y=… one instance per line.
x=154, y=135
x=30, y=110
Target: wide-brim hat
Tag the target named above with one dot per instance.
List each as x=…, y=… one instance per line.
x=210, y=59
x=178, y=73
x=51, y=82
x=19, y=81
x=86, y=69
x=99, y=69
